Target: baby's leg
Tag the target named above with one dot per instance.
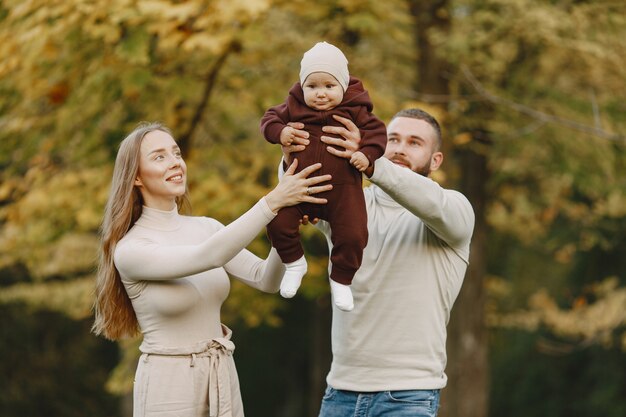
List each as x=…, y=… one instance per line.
x=284, y=235
x=348, y=222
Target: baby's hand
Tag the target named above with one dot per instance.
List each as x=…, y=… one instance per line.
x=359, y=161
x=287, y=135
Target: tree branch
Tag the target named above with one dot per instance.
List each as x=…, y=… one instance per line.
x=184, y=140
x=544, y=117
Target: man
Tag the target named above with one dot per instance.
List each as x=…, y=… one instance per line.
x=389, y=353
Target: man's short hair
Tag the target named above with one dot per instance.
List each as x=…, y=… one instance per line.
x=420, y=114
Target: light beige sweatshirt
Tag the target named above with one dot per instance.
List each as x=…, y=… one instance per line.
x=412, y=271
x=175, y=269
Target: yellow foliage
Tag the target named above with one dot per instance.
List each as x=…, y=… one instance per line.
x=613, y=206
x=76, y=75
x=250, y=306
x=73, y=253
x=51, y=229
x=74, y=298
x=462, y=138
x=587, y=322
x=168, y=10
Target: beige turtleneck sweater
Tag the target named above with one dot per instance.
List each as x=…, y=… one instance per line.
x=175, y=269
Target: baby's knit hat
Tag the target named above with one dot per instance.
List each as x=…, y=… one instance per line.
x=324, y=57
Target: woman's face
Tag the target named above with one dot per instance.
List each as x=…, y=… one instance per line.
x=162, y=172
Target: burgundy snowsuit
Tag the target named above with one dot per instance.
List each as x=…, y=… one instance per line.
x=345, y=210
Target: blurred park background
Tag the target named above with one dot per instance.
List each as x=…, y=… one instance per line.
x=532, y=98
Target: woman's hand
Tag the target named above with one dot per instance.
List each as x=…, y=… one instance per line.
x=298, y=188
x=349, y=140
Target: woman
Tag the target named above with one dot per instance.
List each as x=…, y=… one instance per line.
x=166, y=275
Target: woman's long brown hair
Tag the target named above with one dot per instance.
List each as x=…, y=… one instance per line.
x=114, y=314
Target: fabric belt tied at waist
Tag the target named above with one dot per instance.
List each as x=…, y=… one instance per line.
x=217, y=350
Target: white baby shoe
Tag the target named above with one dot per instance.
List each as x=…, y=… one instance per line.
x=342, y=296
x=294, y=271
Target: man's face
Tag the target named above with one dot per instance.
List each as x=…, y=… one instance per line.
x=412, y=143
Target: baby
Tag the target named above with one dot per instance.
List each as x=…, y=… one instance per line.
x=326, y=89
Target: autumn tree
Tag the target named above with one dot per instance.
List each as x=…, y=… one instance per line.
x=529, y=101
x=531, y=96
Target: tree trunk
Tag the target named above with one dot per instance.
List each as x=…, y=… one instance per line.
x=432, y=70
x=468, y=368
x=467, y=392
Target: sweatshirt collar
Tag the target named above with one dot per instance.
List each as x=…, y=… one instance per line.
x=384, y=198
x=152, y=218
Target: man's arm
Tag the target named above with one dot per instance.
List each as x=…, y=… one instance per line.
x=447, y=213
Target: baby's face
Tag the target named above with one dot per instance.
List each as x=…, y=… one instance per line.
x=322, y=91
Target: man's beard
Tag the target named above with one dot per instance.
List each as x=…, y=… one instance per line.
x=424, y=170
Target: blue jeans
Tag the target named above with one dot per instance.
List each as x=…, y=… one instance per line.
x=413, y=403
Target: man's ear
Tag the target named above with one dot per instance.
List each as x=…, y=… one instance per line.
x=435, y=161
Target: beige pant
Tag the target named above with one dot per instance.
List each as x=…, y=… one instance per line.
x=199, y=381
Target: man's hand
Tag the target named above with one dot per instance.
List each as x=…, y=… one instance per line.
x=349, y=140
x=305, y=220
x=295, y=139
